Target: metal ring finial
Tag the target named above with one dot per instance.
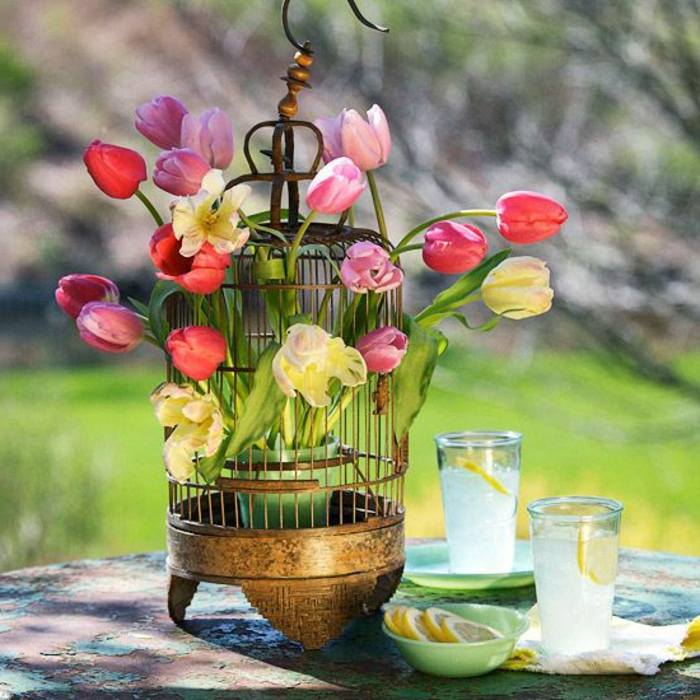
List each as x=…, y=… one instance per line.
x=306, y=46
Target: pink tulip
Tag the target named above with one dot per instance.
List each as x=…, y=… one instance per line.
x=452, y=248
x=383, y=349
x=160, y=121
x=366, y=143
x=109, y=327
x=336, y=187
x=210, y=135
x=117, y=171
x=528, y=217
x=367, y=268
x=180, y=171
x=196, y=351
x=74, y=291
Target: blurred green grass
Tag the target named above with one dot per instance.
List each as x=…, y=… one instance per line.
x=82, y=465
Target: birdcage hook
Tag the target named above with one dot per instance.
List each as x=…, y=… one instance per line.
x=306, y=46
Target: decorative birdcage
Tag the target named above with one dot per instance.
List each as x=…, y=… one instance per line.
x=309, y=522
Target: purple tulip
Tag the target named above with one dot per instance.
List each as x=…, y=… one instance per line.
x=336, y=187
x=109, y=327
x=383, y=349
x=367, y=268
x=160, y=121
x=210, y=135
x=74, y=291
x=180, y=171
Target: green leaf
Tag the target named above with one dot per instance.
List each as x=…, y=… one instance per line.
x=210, y=467
x=262, y=406
x=436, y=318
x=266, y=270
x=456, y=295
x=412, y=377
x=442, y=340
x=139, y=306
x=156, y=316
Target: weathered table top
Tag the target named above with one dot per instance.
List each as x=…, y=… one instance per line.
x=100, y=629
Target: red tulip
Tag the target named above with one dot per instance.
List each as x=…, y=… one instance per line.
x=201, y=274
x=383, y=349
x=116, y=171
x=196, y=351
x=109, y=327
x=74, y=291
x=452, y=248
x=528, y=217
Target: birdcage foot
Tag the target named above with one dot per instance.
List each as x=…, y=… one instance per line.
x=180, y=594
x=383, y=591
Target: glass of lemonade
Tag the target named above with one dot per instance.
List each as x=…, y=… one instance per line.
x=479, y=479
x=575, y=546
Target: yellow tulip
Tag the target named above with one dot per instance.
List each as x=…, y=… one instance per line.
x=518, y=288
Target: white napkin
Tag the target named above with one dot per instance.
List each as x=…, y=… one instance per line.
x=634, y=648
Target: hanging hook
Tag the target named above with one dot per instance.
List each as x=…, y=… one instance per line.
x=306, y=46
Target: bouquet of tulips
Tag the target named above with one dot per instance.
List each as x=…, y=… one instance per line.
x=192, y=255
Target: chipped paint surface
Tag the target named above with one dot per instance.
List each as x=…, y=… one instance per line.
x=93, y=629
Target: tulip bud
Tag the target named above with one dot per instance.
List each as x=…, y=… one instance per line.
x=383, y=349
x=201, y=274
x=196, y=351
x=367, y=268
x=160, y=121
x=528, y=217
x=210, y=135
x=453, y=248
x=116, y=171
x=74, y=291
x=336, y=187
x=180, y=171
x=109, y=327
x=518, y=288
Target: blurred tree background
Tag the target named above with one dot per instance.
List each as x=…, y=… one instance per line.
x=595, y=102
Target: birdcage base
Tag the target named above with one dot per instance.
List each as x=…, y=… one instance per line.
x=307, y=583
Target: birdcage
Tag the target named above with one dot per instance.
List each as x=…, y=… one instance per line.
x=313, y=534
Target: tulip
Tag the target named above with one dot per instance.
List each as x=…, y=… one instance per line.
x=109, y=327
x=366, y=143
x=210, y=135
x=201, y=274
x=160, y=121
x=336, y=187
x=74, y=291
x=180, y=171
x=518, y=288
x=196, y=351
x=528, y=217
x=116, y=171
x=367, y=268
x=383, y=349
x=452, y=248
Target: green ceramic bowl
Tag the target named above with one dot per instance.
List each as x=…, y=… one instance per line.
x=462, y=660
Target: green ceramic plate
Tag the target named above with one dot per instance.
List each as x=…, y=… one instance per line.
x=429, y=565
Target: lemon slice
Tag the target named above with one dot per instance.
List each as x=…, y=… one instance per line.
x=457, y=629
x=414, y=627
x=597, y=557
x=434, y=617
x=491, y=480
x=392, y=618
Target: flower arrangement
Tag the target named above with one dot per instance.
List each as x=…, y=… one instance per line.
x=193, y=255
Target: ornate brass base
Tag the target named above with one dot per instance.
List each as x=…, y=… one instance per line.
x=308, y=583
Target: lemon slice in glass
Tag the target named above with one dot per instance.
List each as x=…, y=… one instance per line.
x=597, y=557
x=434, y=617
x=392, y=618
x=414, y=627
x=457, y=629
x=491, y=480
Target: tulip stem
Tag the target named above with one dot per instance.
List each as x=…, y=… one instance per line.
x=453, y=215
x=378, y=210
x=293, y=251
x=149, y=205
x=400, y=251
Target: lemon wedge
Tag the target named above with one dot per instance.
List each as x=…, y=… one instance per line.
x=457, y=629
x=491, y=480
x=434, y=617
x=392, y=618
x=597, y=557
x=414, y=627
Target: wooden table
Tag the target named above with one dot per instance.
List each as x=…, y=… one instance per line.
x=93, y=629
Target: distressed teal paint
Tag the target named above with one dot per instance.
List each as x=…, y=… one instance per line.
x=100, y=626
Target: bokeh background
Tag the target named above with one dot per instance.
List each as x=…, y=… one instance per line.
x=595, y=102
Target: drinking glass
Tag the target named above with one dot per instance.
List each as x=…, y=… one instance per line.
x=479, y=479
x=575, y=547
